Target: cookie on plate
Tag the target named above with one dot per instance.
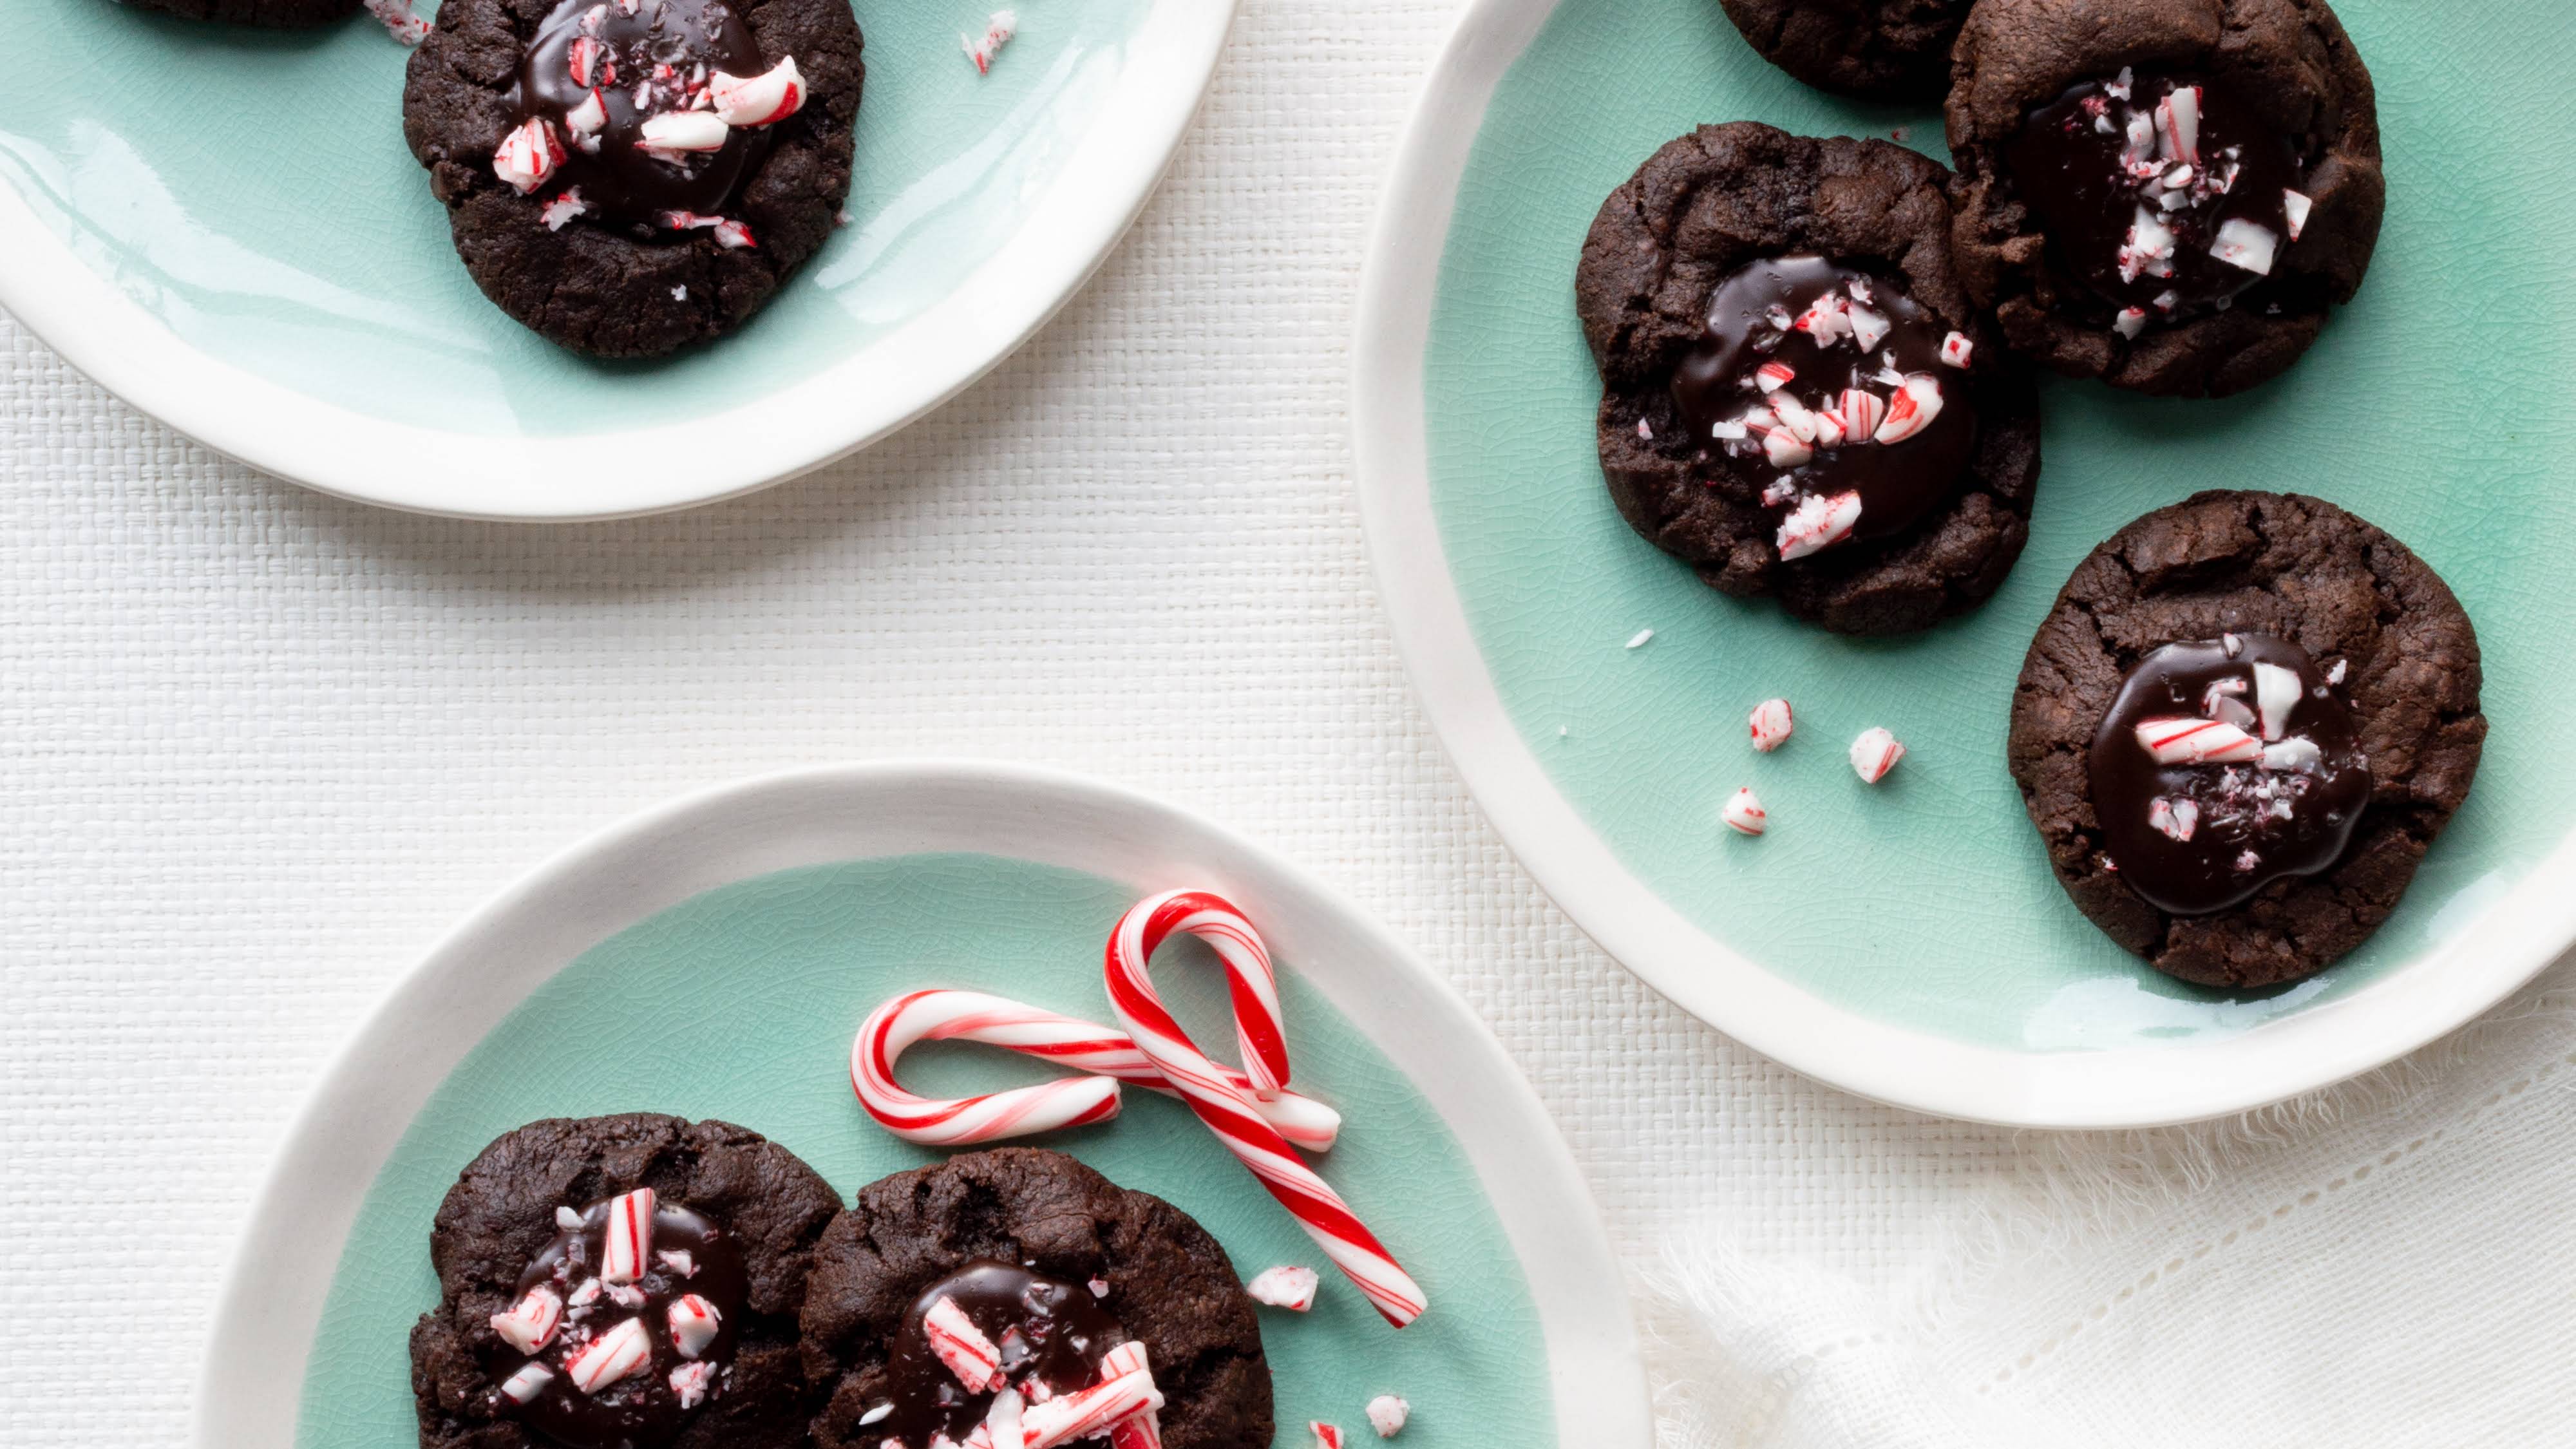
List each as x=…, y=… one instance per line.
x=1878, y=50
x=1053, y=1263
x=627, y=177
x=2168, y=195
x=2238, y=731
x=272, y=14
x=630, y=1280
x=1798, y=398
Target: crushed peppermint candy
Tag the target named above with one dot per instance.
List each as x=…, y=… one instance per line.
x=1327, y=1436
x=1286, y=1286
x=997, y=32
x=1638, y=639
x=1875, y=753
x=526, y=1381
x=405, y=27
x=624, y=1350
x=1387, y=1414
x=1743, y=813
x=961, y=1346
x=1771, y=724
x=689, y=1382
x=562, y=209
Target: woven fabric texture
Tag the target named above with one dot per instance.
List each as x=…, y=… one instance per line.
x=263, y=746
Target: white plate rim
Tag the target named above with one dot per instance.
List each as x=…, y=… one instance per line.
x=1063, y=237
x=249, y=1386
x=2477, y=966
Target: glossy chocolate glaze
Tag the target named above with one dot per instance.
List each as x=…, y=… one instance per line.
x=2243, y=839
x=2069, y=169
x=642, y=1409
x=656, y=59
x=1047, y=1329
x=1897, y=482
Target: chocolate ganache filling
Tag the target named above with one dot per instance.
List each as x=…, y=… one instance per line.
x=2166, y=195
x=625, y=1324
x=598, y=71
x=2224, y=765
x=1049, y=1336
x=1842, y=389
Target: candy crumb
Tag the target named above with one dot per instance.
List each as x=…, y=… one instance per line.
x=399, y=21
x=1099, y=1287
x=1387, y=1413
x=1744, y=814
x=997, y=32
x=1326, y=1435
x=1771, y=724
x=680, y=294
x=1285, y=1286
x=1874, y=754
x=1638, y=639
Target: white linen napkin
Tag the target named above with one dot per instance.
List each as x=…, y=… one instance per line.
x=2391, y=1262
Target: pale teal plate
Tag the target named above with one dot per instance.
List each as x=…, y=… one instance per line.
x=1908, y=941
x=714, y=960
x=223, y=225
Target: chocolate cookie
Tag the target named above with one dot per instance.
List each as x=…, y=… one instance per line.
x=2239, y=729
x=1055, y=1267
x=627, y=177
x=2168, y=195
x=1879, y=50
x=628, y=1280
x=1798, y=398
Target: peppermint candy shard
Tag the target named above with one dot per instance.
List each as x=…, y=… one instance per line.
x=563, y=209
x=1140, y=1430
x=1285, y=1286
x=684, y=131
x=878, y=1415
x=2197, y=742
x=2297, y=755
x=611, y=1357
x=732, y=235
x=1771, y=724
x=629, y=1242
x=2295, y=208
x=1093, y=1410
x=2130, y=322
x=1862, y=411
x=1001, y=1425
x=2276, y=692
x=529, y=1324
x=693, y=1324
x=997, y=31
x=2177, y=819
x=2247, y=245
x=1956, y=349
x=1875, y=753
x=1327, y=1436
x=761, y=100
x=1818, y=523
x=589, y=118
x=962, y=1346
x=526, y=1381
x=568, y=1219
x=678, y=1261
x=1744, y=814
x=1912, y=410
x=1387, y=1414
x=690, y=1382
x=1868, y=328
x=1780, y=446
x=2178, y=125
x=528, y=155
x=1771, y=376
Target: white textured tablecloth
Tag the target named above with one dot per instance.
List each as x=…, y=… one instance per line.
x=263, y=746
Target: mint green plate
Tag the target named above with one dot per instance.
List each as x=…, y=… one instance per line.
x=1907, y=941
x=713, y=960
x=223, y=225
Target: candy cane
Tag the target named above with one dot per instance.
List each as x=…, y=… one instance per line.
x=1103, y=1053
x=1228, y=1103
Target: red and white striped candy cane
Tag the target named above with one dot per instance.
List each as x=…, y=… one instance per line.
x=1226, y=1102
x=1105, y=1054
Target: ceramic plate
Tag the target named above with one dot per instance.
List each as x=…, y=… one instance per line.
x=1907, y=942
x=222, y=226
x=714, y=958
